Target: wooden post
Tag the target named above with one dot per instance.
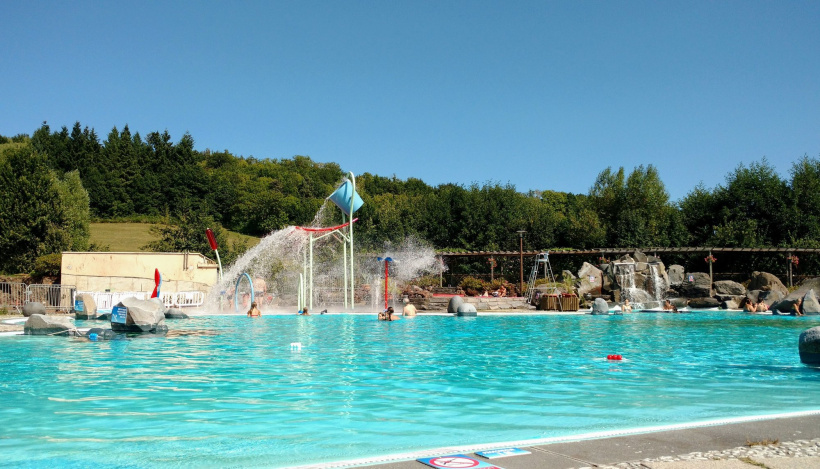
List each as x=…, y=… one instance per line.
x=711, y=277
x=791, y=263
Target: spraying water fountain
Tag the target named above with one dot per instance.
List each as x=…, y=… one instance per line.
x=317, y=266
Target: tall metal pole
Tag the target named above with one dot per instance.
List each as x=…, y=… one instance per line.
x=711, y=277
x=352, y=278
x=310, y=300
x=791, y=263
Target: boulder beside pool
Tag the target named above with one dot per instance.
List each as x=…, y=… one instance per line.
x=175, y=313
x=455, y=302
x=809, y=346
x=85, y=307
x=600, y=306
x=141, y=316
x=41, y=324
x=33, y=308
x=466, y=309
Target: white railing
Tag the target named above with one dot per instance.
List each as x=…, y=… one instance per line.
x=107, y=300
x=183, y=299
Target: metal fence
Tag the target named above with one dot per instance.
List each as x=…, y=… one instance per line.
x=53, y=297
x=12, y=296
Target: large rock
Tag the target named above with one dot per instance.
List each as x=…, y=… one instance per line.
x=600, y=306
x=730, y=303
x=454, y=303
x=466, y=309
x=704, y=303
x=675, y=272
x=640, y=257
x=785, y=304
x=590, y=280
x=40, y=324
x=809, y=346
x=85, y=307
x=728, y=287
x=768, y=282
x=34, y=308
x=810, y=306
x=696, y=285
x=142, y=316
x=175, y=313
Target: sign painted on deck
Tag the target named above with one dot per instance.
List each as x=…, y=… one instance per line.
x=501, y=453
x=78, y=305
x=118, y=314
x=456, y=461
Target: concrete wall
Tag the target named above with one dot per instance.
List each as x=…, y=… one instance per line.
x=134, y=271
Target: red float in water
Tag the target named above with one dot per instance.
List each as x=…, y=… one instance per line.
x=614, y=357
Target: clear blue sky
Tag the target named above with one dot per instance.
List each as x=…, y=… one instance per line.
x=540, y=94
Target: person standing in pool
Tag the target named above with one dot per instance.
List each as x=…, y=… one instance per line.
x=409, y=309
x=304, y=312
x=748, y=306
x=667, y=305
x=761, y=306
x=254, y=311
x=627, y=307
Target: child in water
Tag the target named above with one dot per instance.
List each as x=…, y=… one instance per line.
x=254, y=311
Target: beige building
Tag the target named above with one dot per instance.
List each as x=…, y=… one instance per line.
x=134, y=271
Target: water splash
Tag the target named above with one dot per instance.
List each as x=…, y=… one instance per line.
x=277, y=261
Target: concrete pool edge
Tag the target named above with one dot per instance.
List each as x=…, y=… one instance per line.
x=674, y=439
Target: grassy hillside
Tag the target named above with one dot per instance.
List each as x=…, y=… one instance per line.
x=130, y=237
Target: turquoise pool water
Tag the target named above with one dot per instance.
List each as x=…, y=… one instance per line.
x=229, y=391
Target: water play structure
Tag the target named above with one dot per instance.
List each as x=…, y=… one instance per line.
x=319, y=265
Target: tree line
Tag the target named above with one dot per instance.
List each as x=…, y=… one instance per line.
x=55, y=181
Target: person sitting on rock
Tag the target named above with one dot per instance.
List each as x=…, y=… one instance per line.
x=667, y=306
x=254, y=311
x=748, y=306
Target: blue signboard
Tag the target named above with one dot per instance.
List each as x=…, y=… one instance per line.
x=118, y=314
x=501, y=453
x=78, y=305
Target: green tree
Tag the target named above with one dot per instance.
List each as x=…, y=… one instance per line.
x=32, y=216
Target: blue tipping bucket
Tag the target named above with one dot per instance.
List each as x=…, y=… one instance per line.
x=341, y=197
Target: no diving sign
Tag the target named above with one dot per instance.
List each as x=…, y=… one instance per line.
x=456, y=461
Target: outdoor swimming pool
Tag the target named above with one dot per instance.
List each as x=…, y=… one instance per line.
x=229, y=391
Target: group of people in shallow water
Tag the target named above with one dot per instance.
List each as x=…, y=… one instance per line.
x=387, y=315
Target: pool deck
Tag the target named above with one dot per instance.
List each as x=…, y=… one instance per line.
x=730, y=442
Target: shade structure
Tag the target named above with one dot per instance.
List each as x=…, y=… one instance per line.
x=342, y=198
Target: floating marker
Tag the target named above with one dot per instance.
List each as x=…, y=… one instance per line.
x=614, y=357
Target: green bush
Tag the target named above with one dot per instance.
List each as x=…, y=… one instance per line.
x=48, y=265
x=426, y=281
x=471, y=286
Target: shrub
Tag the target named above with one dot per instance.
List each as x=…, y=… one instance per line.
x=48, y=265
x=425, y=282
x=471, y=286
